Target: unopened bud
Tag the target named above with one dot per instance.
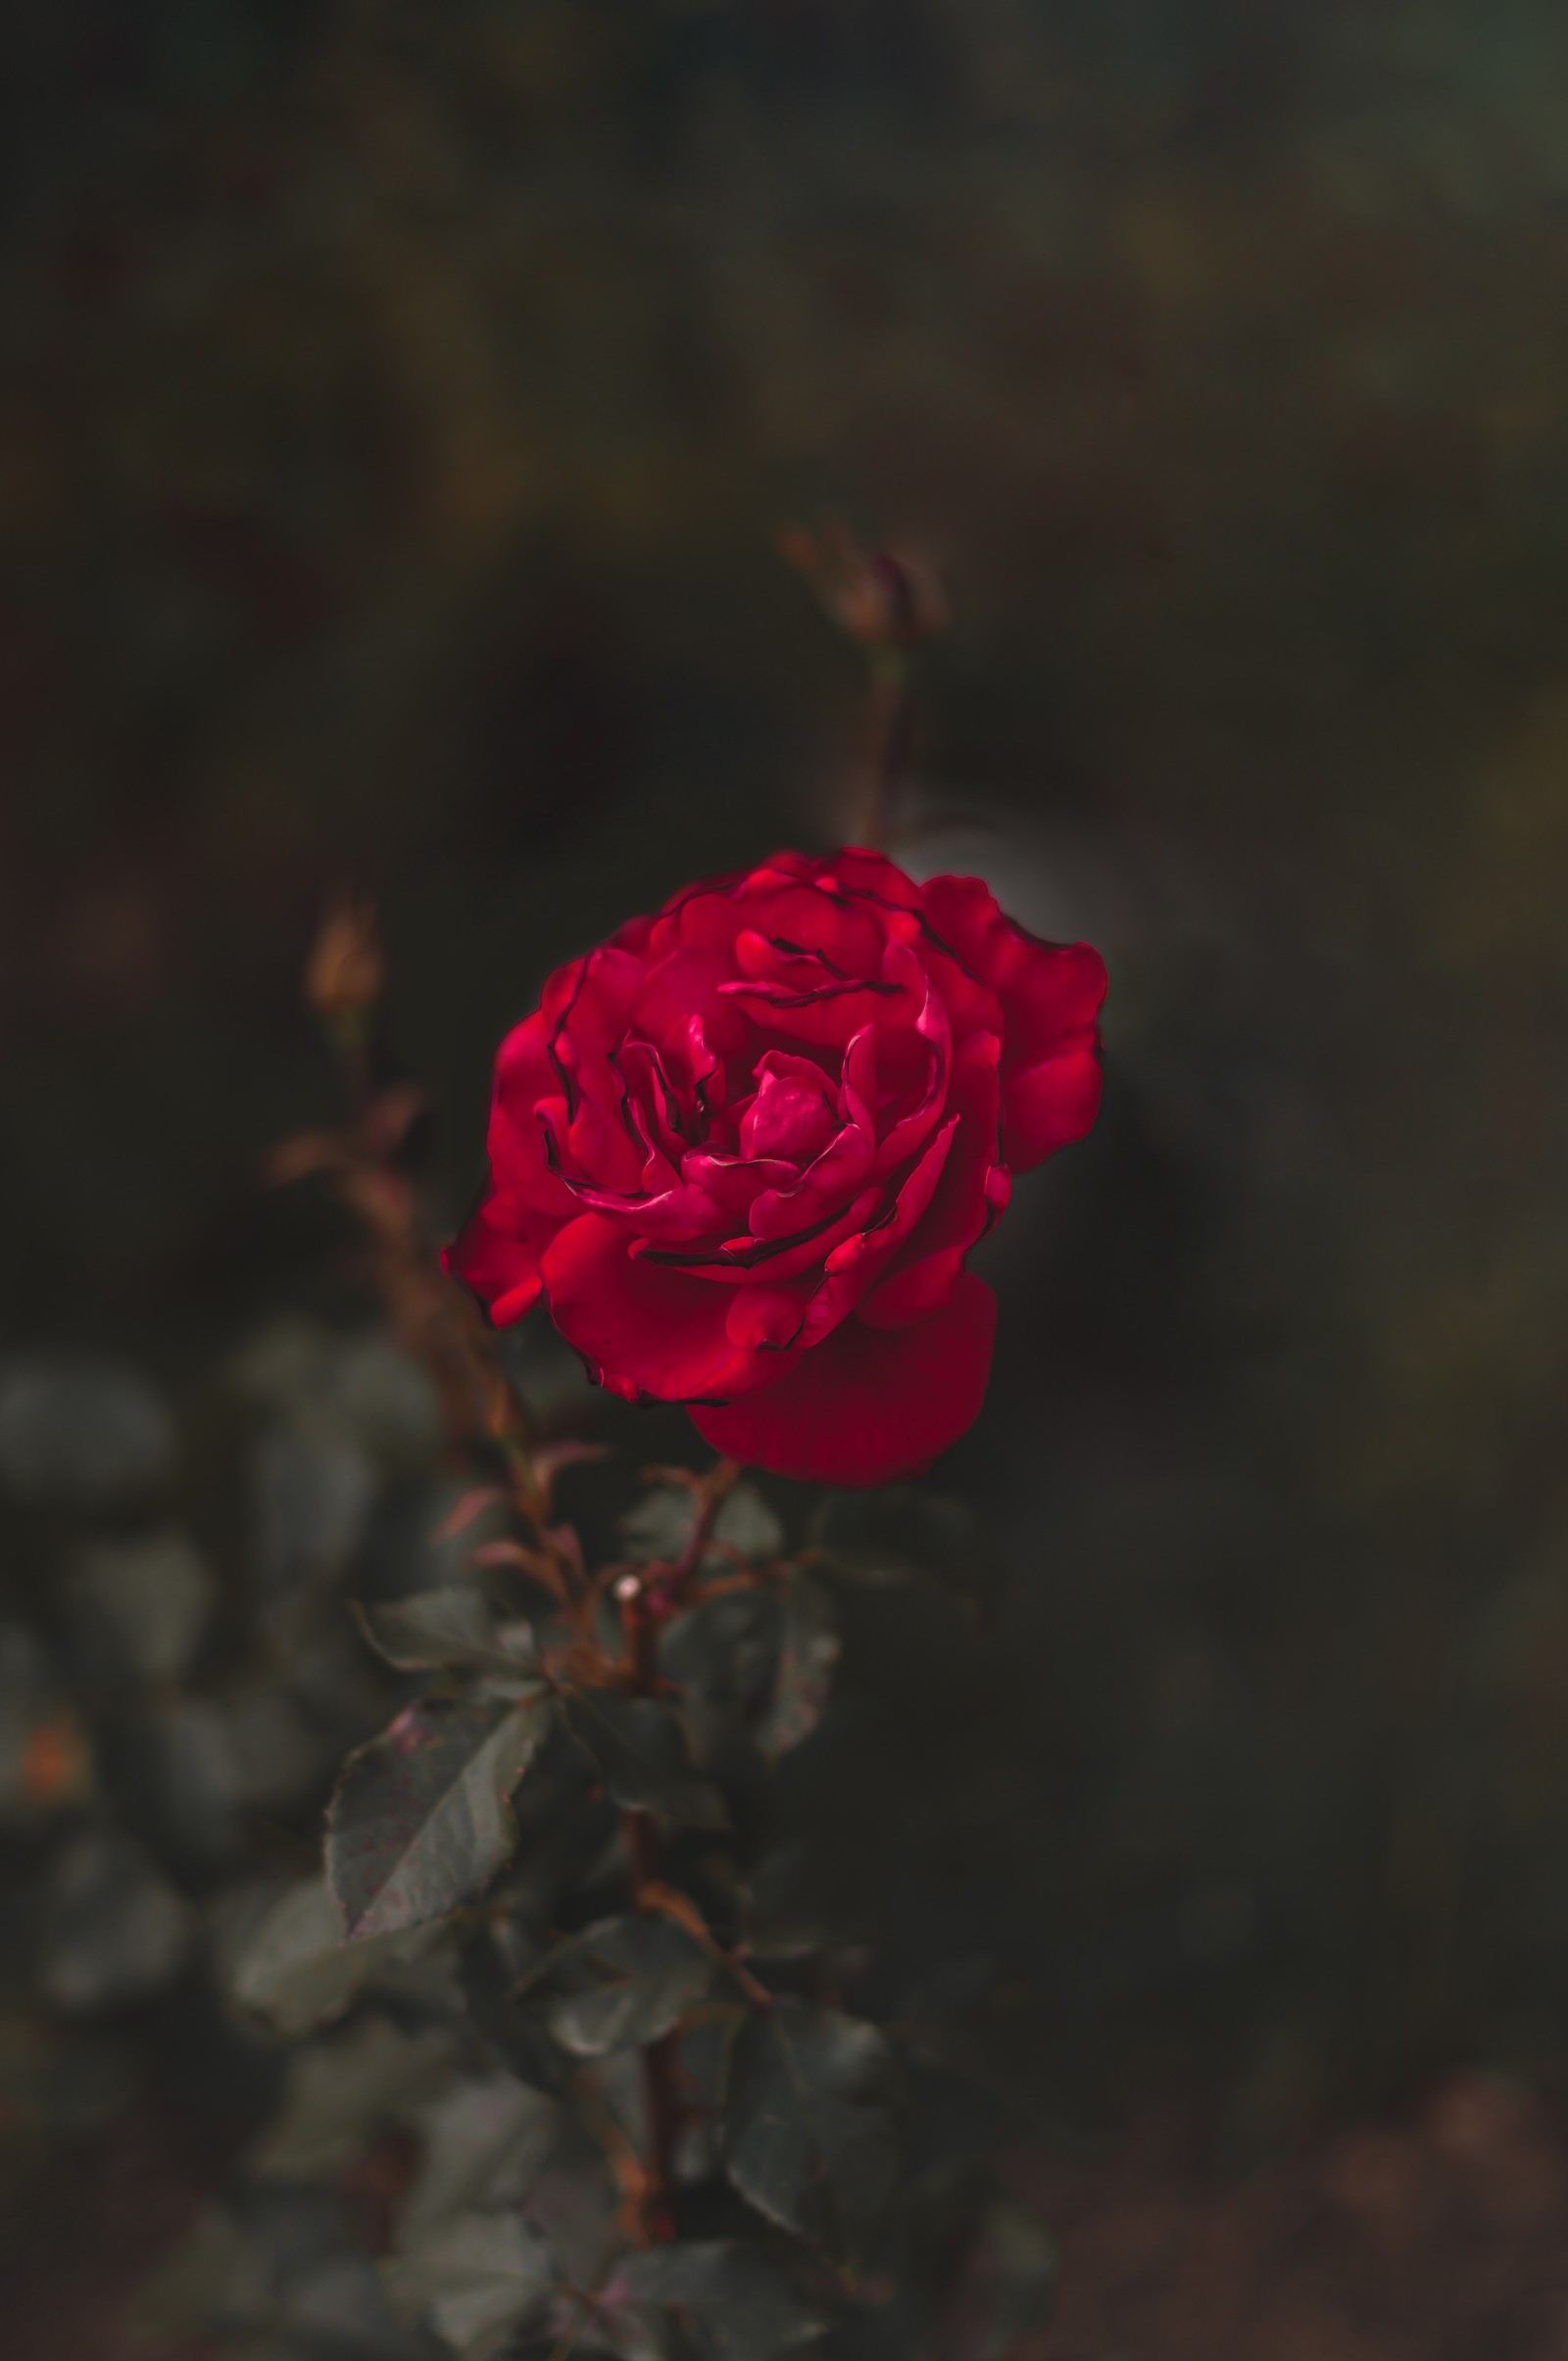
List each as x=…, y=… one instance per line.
x=346, y=973
x=885, y=597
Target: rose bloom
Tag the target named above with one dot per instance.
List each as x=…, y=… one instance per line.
x=743, y=1149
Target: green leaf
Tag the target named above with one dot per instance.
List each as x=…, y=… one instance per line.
x=140, y=1607
x=113, y=1930
x=421, y=1820
x=628, y=1981
x=299, y=1971
x=211, y=2273
x=905, y=1533
x=808, y=1652
x=476, y=2277
x=1010, y=2279
x=486, y=2142
x=341, y=2091
x=83, y=1430
x=808, y=2136
x=662, y=1525
x=640, y=1750
x=723, y=1653
x=453, y=1626
x=713, y=2300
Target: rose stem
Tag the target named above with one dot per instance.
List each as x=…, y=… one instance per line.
x=892, y=719
x=645, y=1610
x=437, y=1319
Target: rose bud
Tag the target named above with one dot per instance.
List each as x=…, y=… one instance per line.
x=743, y=1149
x=346, y=973
x=886, y=597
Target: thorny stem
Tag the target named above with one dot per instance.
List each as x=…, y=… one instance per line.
x=646, y=1604
x=438, y=1322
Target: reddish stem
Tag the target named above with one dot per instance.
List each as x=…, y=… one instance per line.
x=646, y=1606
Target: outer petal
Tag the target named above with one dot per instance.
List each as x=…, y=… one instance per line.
x=497, y=1255
x=866, y=1405
x=1051, y=993
x=1049, y=1105
x=525, y=1081
x=647, y=1329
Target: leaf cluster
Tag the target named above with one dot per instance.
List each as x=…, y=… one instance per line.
x=564, y=1940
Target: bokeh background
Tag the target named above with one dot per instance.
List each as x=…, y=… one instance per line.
x=400, y=404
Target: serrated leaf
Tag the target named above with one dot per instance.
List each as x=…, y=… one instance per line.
x=452, y=1626
x=630, y=1980
x=476, y=2277
x=299, y=1971
x=903, y=1533
x=640, y=1750
x=711, y=2298
x=420, y=1821
x=808, y=1652
x=808, y=2136
x=485, y=2143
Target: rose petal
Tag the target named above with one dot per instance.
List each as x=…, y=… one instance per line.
x=1050, y=1106
x=1051, y=995
x=496, y=1253
x=791, y=1115
x=524, y=1081
x=646, y=1328
x=866, y=1406
x=962, y=1205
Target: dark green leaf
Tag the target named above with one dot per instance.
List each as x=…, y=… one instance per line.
x=342, y=2089
x=808, y=1652
x=421, y=1820
x=628, y=1981
x=713, y=2299
x=298, y=1970
x=988, y=2263
x=172, y=1773
x=808, y=2136
x=662, y=1525
x=140, y=1605
x=338, y=2311
x=1013, y=2275
x=723, y=1653
x=903, y=1533
x=212, y=2273
x=453, y=1626
x=112, y=1930
x=83, y=1430
x=787, y=1914
x=476, y=2277
x=310, y=1494
x=361, y=1386
x=641, y=1753
x=486, y=2142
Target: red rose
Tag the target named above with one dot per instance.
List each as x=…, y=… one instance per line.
x=743, y=1149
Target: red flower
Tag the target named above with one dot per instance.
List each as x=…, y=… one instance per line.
x=743, y=1149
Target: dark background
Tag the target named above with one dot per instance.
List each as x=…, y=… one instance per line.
x=399, y=407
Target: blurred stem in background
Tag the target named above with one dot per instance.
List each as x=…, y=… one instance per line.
x=889, y=601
